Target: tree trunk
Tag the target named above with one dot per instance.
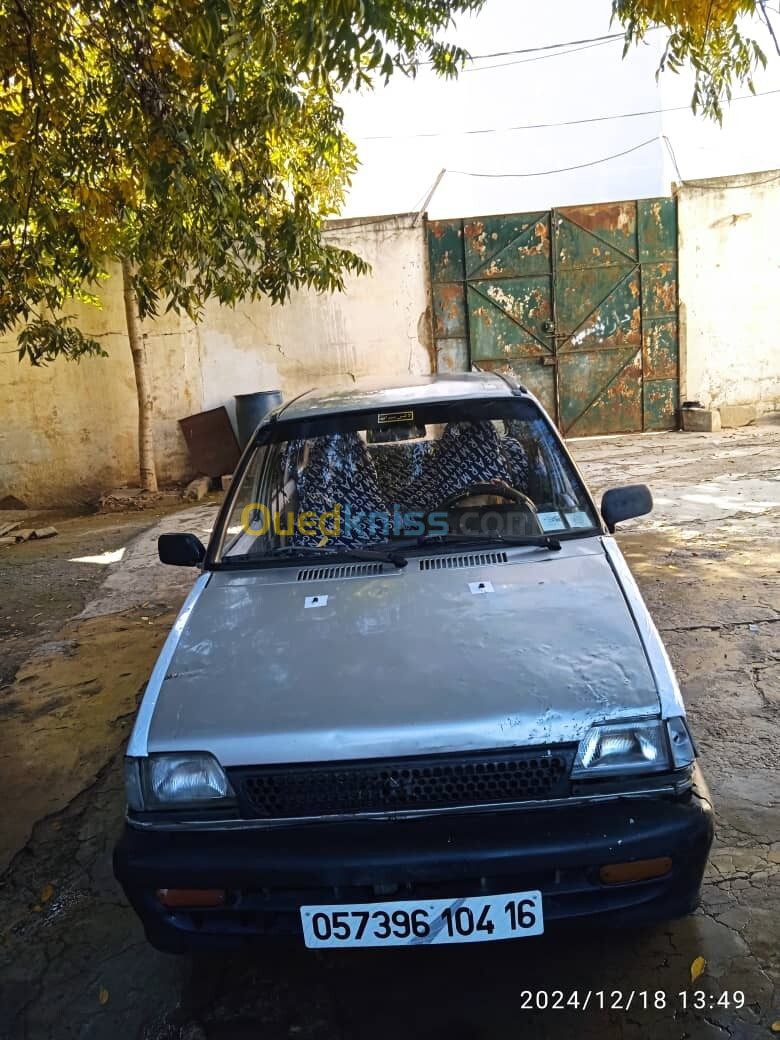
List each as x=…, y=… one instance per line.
x=143, y=383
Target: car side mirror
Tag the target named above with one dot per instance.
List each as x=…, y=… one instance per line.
x=180, y=550
x=624, y=503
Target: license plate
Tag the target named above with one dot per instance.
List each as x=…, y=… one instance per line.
x=424, y=922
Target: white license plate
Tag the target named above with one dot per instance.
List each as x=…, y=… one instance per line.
x=413, y=922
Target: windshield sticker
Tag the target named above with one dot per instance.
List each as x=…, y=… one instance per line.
x=551, y=522
x=388, y=417
x=578, y=519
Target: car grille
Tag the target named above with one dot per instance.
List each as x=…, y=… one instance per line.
x=395, y=785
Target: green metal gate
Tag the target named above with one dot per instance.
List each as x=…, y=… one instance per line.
x=580, y=304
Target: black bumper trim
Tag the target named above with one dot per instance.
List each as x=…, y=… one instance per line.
x=557, y=850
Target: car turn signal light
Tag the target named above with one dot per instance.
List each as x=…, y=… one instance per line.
x=639, y=870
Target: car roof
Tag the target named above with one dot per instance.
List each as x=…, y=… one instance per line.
x=413, y=390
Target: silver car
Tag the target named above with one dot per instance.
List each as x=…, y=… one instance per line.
x=414, y=696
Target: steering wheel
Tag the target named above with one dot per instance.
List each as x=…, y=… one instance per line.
x=494, y=487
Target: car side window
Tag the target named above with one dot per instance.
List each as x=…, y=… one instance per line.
x=246, y=508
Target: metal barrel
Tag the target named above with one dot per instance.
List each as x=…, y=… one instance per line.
x=251, y=409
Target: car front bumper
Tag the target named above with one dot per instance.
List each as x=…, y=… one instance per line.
x=269, y=873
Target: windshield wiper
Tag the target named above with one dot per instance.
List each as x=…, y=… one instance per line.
x=395, y=558
x=544, y=541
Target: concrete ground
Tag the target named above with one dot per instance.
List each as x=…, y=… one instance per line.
x=73, y=961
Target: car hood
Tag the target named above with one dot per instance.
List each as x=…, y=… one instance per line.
x=404, y=662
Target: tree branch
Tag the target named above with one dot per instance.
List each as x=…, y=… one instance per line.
x=762, y=5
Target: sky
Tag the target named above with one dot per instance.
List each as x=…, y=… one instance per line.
x=575, y=82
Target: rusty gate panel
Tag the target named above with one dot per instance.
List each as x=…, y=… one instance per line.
x=657, y=235
x=604, y=234
x=598, y=319
x=445, y=246
x=448, y=295
x=602, y=392
x=657, y=228
x=507, y=319
x=505, y=247
x=598, y=309
x=579, y=304
x=449, y=312
x=509, y=298
x=660, y=349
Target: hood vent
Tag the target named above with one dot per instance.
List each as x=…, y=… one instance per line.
x=477, y=559
x=339, y=570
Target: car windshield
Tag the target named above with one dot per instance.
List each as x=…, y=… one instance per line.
x=486, y=470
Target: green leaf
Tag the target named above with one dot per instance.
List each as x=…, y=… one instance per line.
x=200, y=141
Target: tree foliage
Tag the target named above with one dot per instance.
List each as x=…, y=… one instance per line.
x=705, y=35
x=199, y=140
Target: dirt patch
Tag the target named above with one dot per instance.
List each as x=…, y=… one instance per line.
x=46, y=582
x=62, y=715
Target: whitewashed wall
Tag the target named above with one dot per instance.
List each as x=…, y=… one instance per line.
x=69, y=431
x=729, y=240
x=379, y=326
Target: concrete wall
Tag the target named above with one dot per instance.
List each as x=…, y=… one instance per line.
x=729, y=239
x=68, y=431
x=380, y=326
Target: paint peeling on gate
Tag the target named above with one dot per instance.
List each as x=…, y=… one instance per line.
x=660, y=285
x=579, y=303
x=604, y=391
x=657, y=225
x=660, y=403
x=616, y=318
x=595, y=235
x=509, y=318
x=660, y=349
x=445, y=249
x=507, y=247
x=449, y=311
x=452, y=355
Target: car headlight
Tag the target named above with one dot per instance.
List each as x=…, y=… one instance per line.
x=626, y=747
x=172, y=781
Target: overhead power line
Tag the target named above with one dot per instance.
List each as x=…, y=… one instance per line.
x=608, y=158
x=426, y=198
x=536, y=50
x=545, y=126
x=540, y=57
x=564, y=169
